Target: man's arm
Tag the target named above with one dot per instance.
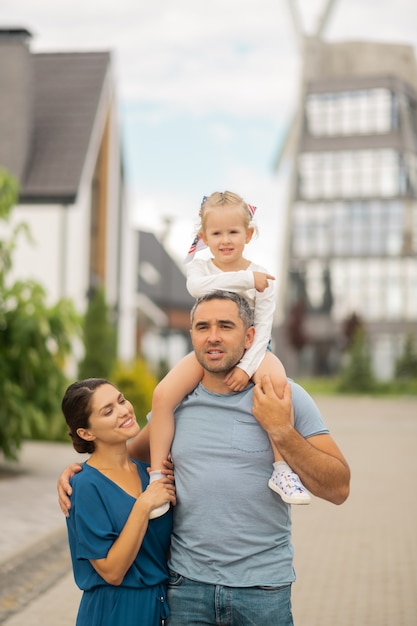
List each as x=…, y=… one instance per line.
x=138, y=448
x=317, y=460
x=64, y=487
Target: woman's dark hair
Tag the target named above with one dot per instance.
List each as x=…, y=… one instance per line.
x=76, y=407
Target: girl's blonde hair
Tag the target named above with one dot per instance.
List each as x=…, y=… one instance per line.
x=220, y=199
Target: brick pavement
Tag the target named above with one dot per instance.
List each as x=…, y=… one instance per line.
x=356, y=564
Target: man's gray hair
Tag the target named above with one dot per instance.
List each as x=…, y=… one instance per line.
x=245, y=312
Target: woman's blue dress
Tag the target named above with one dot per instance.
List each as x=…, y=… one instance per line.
x=99, y=510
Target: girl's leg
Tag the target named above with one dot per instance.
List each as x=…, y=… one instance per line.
x=283, y=481
x=179, y=382
x=171, y=390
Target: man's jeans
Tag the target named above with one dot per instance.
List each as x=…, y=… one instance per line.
x=193, y=603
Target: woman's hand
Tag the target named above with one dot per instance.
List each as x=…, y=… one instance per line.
x=158, y=492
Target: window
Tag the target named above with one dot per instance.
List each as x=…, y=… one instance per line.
x=353, y=228
x=350, y=174
x=362, y=112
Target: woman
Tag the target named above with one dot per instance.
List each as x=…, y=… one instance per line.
x=118, y=553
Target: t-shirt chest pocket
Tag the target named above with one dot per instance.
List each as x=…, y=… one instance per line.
x=248, y=436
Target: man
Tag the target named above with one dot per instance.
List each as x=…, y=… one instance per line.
x=231, y=552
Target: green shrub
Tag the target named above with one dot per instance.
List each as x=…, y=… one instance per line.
x=35, y=341
x=137, y=382
x=406, y=365
x=100, y=339
x=357, y=375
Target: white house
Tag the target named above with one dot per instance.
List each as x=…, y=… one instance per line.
x=59, y=136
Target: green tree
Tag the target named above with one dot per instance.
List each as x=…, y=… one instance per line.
x=351, y=325
x=406, y=365
x=100, y=339
x=357, y=375
x=35, y=340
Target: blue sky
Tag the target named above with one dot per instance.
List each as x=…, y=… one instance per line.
x=201, y=148
x=205, y=92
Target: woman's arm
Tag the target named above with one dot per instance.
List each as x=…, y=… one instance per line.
x=138, y=449
x=124, y=550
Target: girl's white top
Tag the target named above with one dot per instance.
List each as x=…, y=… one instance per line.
x=203, y=277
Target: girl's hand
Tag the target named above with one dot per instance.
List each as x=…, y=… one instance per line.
x=237, y=379
x=261, y=280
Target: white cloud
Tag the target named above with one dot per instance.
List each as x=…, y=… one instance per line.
x=193, y=55
x=394, y=22
x=221, y=133
x=195, y=58
x=238, y=56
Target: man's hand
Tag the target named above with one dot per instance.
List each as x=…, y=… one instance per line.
x=237, y=379
x=317, y=460
x=272, y=412
x=64, y=487
x=168, y=469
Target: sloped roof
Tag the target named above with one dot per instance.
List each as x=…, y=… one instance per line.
x=67, y=89
x=48, y=106
x=159, y=277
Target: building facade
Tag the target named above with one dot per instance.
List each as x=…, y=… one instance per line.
x=163, y=304
x=60, y=140
x=352, y=211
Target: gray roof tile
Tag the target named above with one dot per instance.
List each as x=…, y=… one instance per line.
x=168, y=290
x=66, y=94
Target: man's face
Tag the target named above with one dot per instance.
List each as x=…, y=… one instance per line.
x=219, y=336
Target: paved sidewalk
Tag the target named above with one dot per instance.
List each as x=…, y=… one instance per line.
x=30, y=517
x=356, y=564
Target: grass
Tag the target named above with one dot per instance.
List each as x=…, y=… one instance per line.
x=330, y=387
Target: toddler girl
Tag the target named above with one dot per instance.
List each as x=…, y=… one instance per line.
x=225, y=228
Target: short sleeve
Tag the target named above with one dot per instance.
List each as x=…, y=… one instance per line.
x=307, y=417
x=91, y=519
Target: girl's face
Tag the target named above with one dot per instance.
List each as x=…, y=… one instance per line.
x=226, y=234
x=112, y=419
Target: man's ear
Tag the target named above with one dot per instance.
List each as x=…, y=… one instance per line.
x=250, y=336
x=84, y=433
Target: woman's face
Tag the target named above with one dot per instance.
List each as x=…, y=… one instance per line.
x=112, y=419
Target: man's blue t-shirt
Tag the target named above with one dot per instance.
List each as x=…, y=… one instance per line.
x=229, y=527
